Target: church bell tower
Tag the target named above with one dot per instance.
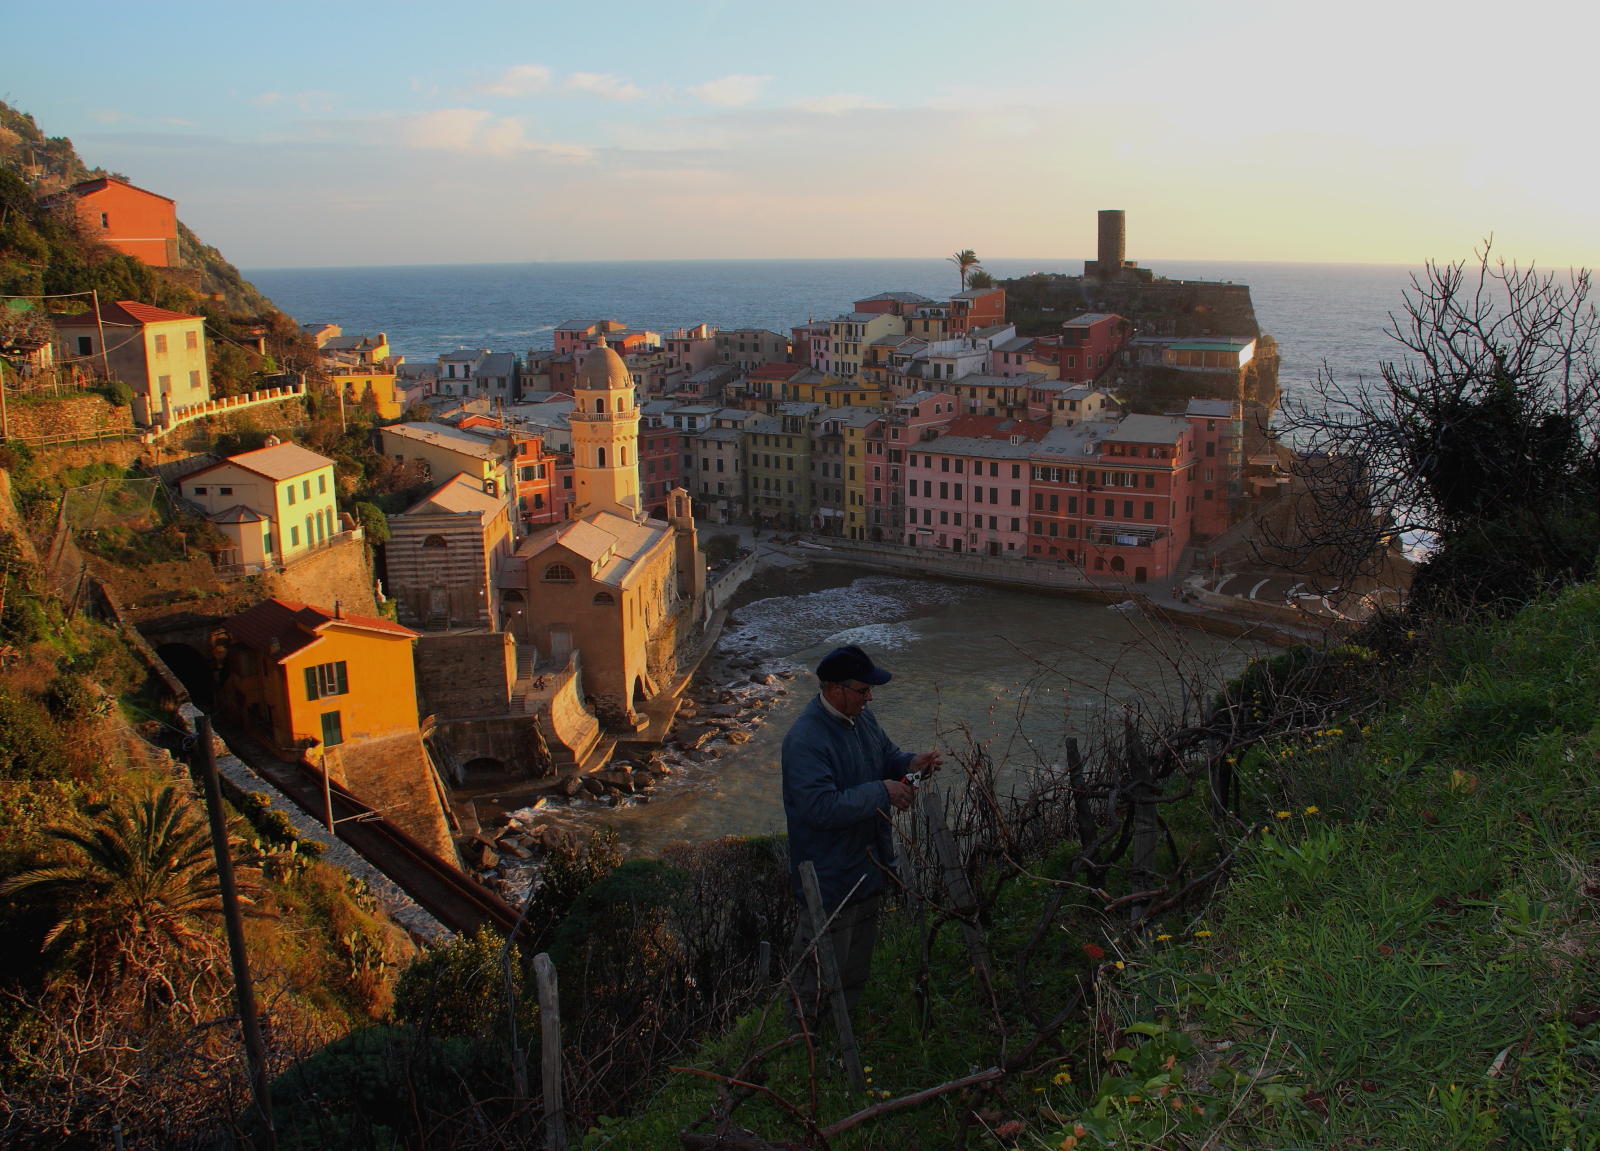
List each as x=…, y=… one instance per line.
x=605, y=436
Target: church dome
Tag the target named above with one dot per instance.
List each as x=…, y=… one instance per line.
x=603, y=371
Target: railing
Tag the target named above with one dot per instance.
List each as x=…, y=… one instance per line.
x=172, y=417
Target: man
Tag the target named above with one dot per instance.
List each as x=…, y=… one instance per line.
x=841, y=776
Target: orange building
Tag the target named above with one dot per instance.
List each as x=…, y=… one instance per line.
x=135, y=222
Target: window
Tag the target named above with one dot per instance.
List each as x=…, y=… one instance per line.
x=434, y=541
x=294, y=537
x=325, y=679
x=224, y=491
x=85, y=346
x=266, y=542
x=1149, y=510
x=105, y=219
x=194, y=379
x=322, y=484
x=566, y=482
x=199, y=491
x=161, y=344
x=191, y=340
x=559, y=573
x=604, y=598
x=332, y=730
x=164, y=384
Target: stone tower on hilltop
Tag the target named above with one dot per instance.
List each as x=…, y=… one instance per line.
x=605, y=436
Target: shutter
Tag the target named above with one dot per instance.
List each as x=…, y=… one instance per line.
x=311, y=683
x=342, y=684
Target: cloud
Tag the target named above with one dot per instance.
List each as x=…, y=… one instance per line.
x=833, y=105
x=311, y=100
x=730, y=91
x=107, y=115
x=521, y=80
x=476, y=131
x=602, y=84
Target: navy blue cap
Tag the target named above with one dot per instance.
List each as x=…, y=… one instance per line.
x=847, y=663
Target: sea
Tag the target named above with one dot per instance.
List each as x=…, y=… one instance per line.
x=1005, y=671
x=1325, y=317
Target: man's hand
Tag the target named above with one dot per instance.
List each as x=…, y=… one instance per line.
x=928, y=761
x=899, y=794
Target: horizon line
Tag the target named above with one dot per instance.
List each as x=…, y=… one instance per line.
x=1148, y=265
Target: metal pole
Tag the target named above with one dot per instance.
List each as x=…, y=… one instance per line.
x=244, y=991
x=327, y=788
x=555, y=1120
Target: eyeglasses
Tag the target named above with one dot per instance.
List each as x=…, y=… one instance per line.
x=857, y=690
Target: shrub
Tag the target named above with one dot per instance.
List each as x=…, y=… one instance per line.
x=459, y=989
x=373, y=522
x=117, y=392
x=30, y=743
x=71, y=698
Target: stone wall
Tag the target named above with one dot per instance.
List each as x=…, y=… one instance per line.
x=506, y=739
x=392, y=775
x=466, y=675
x=566, y=721
x=338, y=572
x=77, y=415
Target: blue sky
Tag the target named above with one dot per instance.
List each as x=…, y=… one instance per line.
x=351, y=133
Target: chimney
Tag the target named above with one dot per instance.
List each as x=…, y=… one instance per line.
x=1113, y=240
x=274, y=647
x=338, y=610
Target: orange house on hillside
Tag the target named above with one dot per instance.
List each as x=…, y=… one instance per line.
x=135, y=222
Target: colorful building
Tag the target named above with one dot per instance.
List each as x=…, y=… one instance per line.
x=447, y=451
x=275, y=503
x=161, y=355
x=966, y=490
x=1089, y=345
x=976, y=308
x=659, y=472
x=778, y=459
x=135, y=222
x=747, y=348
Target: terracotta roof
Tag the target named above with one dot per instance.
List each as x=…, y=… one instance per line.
x=84, y=187
x=237, y=514
x=123, y=313
x=297, y=626
x=775, y=371
x=279, y=462
x=996, y=426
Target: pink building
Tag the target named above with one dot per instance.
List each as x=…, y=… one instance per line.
x=967, y=489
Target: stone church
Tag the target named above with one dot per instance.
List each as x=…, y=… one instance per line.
x=621, y=588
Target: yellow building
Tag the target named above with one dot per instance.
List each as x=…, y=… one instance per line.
x=305, y=677
x=161, y=355
x=339, y=691
x=389, y=398
x=855, y=424
x=851, y=335
x=275, y=503
x=483, y=456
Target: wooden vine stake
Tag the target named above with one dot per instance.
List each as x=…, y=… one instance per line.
x=555, y=1121
x=830, y=975
x=955, y=881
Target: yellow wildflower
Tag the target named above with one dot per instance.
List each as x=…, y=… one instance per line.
x=1202, y=935
x=1312, y=810
x=1119, y=965
x=1062, y=1078
x=1283, y=815
x=1162, y=938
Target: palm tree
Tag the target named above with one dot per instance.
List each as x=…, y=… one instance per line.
x=980, y=279
x=142, y=873
x=965, y=260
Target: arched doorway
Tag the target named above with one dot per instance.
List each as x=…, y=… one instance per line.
x=484, y=767
x=1117, y=565
x=1140, y=575
x=193, y=671
x=639, y=696
x=659, y=513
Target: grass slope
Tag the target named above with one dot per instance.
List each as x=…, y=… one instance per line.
x=1403, y=959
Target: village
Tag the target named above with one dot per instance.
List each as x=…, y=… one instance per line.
x=521, y=623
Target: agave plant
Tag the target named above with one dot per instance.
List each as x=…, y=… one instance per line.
x=141, y=873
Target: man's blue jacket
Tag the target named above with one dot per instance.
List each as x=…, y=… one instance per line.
x=835, y=801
